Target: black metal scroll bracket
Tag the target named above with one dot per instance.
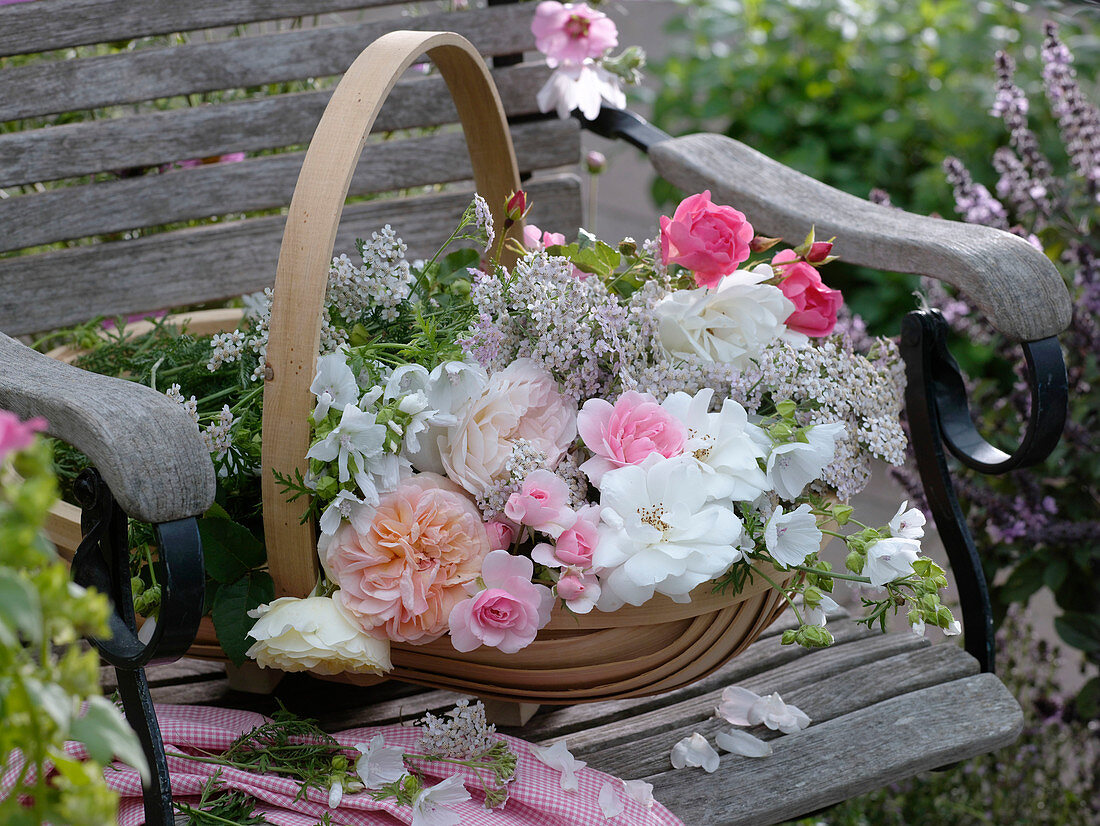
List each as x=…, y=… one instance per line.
x=103, y=561
x=939, y=416
x=622, y=124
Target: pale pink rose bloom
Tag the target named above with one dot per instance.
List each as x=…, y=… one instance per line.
x=535, y=239
x=542, y=503
x=708, y=239
x=401, y=579
x=15, y=434
x=502, y=533
x=519, y=402
x=815, y=305
x=571, y=32
x=580, y=591
x=628, y=432
x=575, y=545
x=508, y=613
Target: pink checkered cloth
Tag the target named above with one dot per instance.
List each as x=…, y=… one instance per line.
x=535, y=797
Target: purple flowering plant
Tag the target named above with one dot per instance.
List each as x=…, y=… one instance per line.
x=1042, y=525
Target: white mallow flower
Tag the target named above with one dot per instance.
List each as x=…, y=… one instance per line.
x=890, y=558
x=817, y=615
x=725, y=444
x=731, y=323
x=794, y=465
x=742, y=707
x=908, y=524
x=694, y=751
x=432, y=804
x=742, y=743
x=791, y=537
x=660, y=533
x=379, y=764
x=583, y=86
x=347, y=506
x=357, y=446
x=334, y=385
x=314, y=635
x=448, y=390
x=558, y=757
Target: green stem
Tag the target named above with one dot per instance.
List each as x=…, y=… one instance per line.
x=776, y=586
x=831, y=574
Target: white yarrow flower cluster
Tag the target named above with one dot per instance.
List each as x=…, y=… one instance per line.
x=462, y=732
x=382, y=282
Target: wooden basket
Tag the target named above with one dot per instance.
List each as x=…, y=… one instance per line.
x=577, y=658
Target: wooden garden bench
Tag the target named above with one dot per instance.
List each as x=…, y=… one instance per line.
x=90, y=183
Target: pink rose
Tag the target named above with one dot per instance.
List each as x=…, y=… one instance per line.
x=401, y=579
x=626, y=433
x=17, y=435
x=508, y=613
x=575, y=545
x=520, y=402
x=815, y=305
x=580, y=591
x=502, y=533
x=707, y=239
x=541, y=503
x=536, y=239
x=572, y=32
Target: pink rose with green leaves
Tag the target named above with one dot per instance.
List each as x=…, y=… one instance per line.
x=815, y=305
x=706, y=238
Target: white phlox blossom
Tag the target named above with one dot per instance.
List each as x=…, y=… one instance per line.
x=694, y=751
x=793, y=465
x=890, y=558
x=742, y=707
x=432, y=804
x=731, y=323
x=585, y=86
x=558, y=757
x=791, y=537
x=660, y=533
x=356, y=446
x=447, y=391
x=908, y=523
x=725, y=444
x=379, y=764
x=346, y=506
x=334, y=385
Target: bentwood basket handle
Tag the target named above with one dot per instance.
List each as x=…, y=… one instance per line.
x=307, y=248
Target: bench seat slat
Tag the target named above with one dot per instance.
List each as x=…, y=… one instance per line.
x=75, y=149
x=24, y=30
x=879, y=744
x=222, y=260
x=45, y=88
x=258, y=183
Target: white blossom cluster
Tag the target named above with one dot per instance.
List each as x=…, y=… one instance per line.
x=218, y=435
x=382, y=282
x=190, y=406
x=460, y=733
x=226, y=348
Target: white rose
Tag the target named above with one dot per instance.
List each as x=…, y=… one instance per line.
x=520, y=402
x=314, y=635
x=731, y=323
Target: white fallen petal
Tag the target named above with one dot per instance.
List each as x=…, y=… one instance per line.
x=558, y=757
x=610, y=803
x=736, y=703
x=694, y=751
x=743, y=743
x=640, y=791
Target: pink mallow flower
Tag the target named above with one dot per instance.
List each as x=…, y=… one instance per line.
x=508, y=613
x=541, y=503
x=575, y=545
x=815, y=305
x=626, y=433
x=706, y=238
x=16, y=435
x=571, y=32
x=502, y=533
x=535, y=239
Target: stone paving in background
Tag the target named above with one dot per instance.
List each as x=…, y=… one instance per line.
x=624, y=208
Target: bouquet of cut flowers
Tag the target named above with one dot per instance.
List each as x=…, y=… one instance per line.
x=588, y=429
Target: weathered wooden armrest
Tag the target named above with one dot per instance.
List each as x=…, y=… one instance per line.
x=144, y=445
x=1015, y=285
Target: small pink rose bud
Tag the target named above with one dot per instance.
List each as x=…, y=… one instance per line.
x=595, y=162
x=570, y=587
x=516, y=207
x=819, y=251
x=762, y=243
x=501, y=534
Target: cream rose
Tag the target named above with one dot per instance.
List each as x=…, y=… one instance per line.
x=313, y=634
x=519, y=402
x=731, y=323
